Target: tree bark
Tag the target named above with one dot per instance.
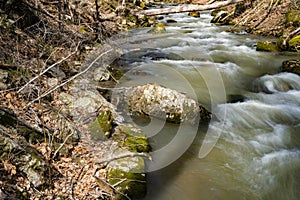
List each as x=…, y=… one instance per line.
x=187, y=8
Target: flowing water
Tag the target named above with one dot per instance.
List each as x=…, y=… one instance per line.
x=257, y=124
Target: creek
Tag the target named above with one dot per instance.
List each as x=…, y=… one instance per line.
x=255, y=134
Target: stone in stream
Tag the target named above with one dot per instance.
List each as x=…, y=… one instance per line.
x=158, y=28
x=194, y=14
x=170, y=21
x=292, y=66
x=131, y=169
x=266, y=46
x=164, y=103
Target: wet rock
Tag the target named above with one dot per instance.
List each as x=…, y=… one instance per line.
x=235, y=98
x=266, y=46
x=171, y=21
x=130, y=169
x=294, y=43
x=194, y=14
x=164, y=103
x=158, y=28
x=160, y=17
x=132, y=138
x=133, y=186
x=292, y=66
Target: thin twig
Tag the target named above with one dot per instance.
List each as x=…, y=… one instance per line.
x=131, y=154
x=292, y=34
x=244, y=19
x=43, y=72
x=112, y=187
x=62, y=144
x=70, y=79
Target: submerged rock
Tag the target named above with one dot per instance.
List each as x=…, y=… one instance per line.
x=194, y=14
x=170, y=21
x=292, y=66
x=266, y=46
x=158, y=28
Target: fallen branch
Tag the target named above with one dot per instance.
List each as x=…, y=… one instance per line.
x=245, y=18
x=187, y=8
x=112, y=187
x=70, y=79
x=15, y=121
x=127, y=155
x=292, y=34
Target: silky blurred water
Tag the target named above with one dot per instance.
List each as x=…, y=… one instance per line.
x=258, y=153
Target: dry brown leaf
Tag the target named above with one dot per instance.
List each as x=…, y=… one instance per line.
x=9, y=167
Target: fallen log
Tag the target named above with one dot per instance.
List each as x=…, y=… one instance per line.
x=187, y=8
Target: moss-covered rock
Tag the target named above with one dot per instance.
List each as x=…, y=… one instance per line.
x=194, y=14
x=280, y=45
x=294, y=44
x=292, y=66
x=129, y=169
x=132, y=138
x=133, y=186
x=266, y=46
x=293, y=18
x=105, y=120
x=158, y=28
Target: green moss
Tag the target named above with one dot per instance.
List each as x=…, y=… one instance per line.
x=117, y=74
x=136, y=144
x=280, y=45
x=135, y=140
x=134, y=185
x=293, y=18
x=158, y=28
x=96, y=132
x=194, y=14
x=266, y=46
x=294, y=44
x=105, y=120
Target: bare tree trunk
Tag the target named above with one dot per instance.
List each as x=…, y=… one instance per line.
x=187, y=8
